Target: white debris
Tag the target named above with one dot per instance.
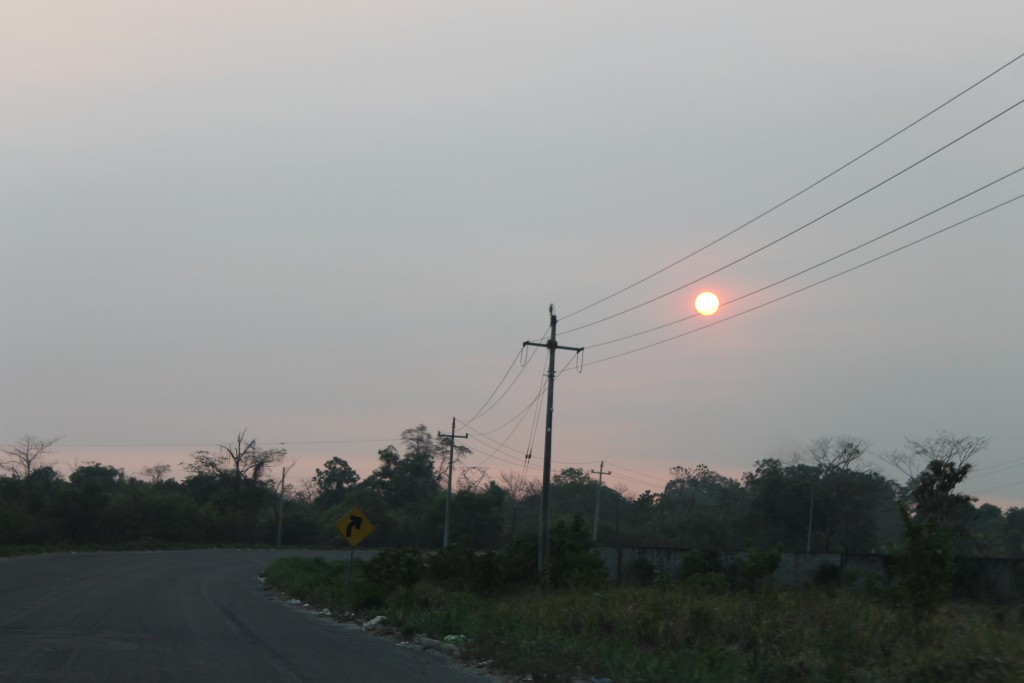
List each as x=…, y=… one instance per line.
x=295, y=601
x=374, y=623
x=431, y=644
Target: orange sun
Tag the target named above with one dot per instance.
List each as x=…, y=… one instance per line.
x=706, y=303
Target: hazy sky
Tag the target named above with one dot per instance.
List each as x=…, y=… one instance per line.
x=326, y=222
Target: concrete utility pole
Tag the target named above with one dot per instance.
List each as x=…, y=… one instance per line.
x=451, y=467
x=280, y=505
x=597, y=506
x=810, y=521
x=545, y=493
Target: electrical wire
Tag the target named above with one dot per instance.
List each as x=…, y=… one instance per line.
x=522, y=416
x=500, y=382
x=522, y=369
x=212, y=444
x=817, y=265
x=1000, y=486
x=802, y=227
x=814, y=284
x=794, y=196
x=534, y=401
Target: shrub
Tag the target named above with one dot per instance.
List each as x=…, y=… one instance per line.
x=398, y=566
x=571, y=564
x=699, y=562
x=642, y=571
x=754, y=569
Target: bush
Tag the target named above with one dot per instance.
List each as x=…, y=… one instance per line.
x=397, y=566
x=458, y=566
x=699, y=562
x=755, y=568
x=924, y=565
x=572, y=565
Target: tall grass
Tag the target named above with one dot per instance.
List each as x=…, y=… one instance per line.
x=693, y=632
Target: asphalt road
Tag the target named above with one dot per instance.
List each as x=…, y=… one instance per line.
x=184, y=616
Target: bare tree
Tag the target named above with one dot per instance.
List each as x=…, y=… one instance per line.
x=518, y=488
x=25, y=455
x=156, y=473
x=944, y=447
x=243, y=460
x=305, y=491
x=832, y=454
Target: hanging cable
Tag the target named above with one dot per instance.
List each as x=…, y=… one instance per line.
x=802, y=227
x=814, y=284
x=794, y=196
x=817, y=265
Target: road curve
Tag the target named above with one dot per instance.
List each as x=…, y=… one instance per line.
x=184, y=616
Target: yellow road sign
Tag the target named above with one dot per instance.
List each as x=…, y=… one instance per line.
x=354, y=527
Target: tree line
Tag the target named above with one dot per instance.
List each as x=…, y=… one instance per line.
x=824, y=499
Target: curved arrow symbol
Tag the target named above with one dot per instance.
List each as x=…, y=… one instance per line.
x=355, y=523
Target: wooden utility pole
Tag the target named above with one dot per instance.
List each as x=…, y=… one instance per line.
x=545, y=493
x=597, y=506
x=451, y=467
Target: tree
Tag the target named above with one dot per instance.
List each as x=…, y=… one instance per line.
x=944, y=447
x=698, y=487
x=837, y=460
x=698, y=506
x=25, y=455
x=925, y=561
x=242, y=460
x=833, y=454
x=333, y=481
x=570, y=476
x=420, y=443
x=517, y=489
x=405, y=486
x=156, y=473
x=933, y=494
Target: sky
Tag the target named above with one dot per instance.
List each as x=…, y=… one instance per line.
x=328, y=222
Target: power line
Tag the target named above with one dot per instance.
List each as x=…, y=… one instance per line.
x=802, y=227
x=531, y=404
x=794, y=196
x=214, y=444
x=523, y=364
x=819, y=264
x=805, y=288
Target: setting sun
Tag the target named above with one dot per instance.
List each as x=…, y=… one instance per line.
x=706, y=303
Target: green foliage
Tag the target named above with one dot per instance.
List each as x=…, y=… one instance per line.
x=572, y=476
x=699, y=562
x=571, y=564
x=753, y=570
x=333, y=481
x=398, y=566
x=675, y=633
x=924, y=564
x=459, y=567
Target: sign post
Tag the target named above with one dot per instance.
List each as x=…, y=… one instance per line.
x=354, y=528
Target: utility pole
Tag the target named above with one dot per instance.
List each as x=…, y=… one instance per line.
x=810, y=521
x=545, y=493
x=597, y=506
x=451, y=467
x=280, y=504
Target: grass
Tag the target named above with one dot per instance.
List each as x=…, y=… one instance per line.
x=689, y=632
